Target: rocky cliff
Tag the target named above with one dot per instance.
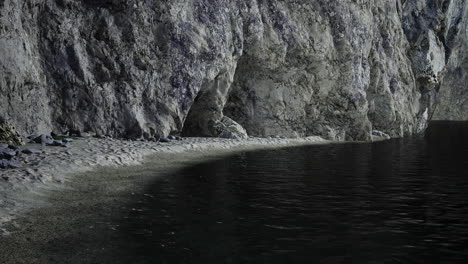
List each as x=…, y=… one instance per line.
x=339, y=69
x=453, y=95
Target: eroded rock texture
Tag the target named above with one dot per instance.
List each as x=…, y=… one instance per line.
x=339, y=69
x=9, y=135
x=453, y=95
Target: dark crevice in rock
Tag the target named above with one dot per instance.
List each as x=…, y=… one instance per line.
x=207, y=109
x=241, y=101
x=196, y=122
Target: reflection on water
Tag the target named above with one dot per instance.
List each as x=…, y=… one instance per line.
x=400, y=201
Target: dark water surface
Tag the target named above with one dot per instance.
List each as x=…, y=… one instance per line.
x=399, y=201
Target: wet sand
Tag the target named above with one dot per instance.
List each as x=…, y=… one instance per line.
x=75, y=212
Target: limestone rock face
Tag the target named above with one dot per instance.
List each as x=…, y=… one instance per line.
x=9, y=135
x=339, y=69
x=453, y=95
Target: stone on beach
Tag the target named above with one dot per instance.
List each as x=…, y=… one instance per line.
x=13, y=147
x=41, y=139
x=85, y=135
x=31, y=151
x=49, y=141
x=9, y=164
x=57, y=143
x=7, y=153
x=229, y=128
x=164, y=140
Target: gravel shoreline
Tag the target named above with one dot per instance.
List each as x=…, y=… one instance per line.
x=52, y=168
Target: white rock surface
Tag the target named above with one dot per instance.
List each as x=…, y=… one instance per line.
x=338, y=69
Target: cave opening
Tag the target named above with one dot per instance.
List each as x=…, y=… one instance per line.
x=207, y=108
x=197, y=121
x=206, y=117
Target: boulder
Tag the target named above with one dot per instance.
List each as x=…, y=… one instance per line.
x=99, y=136
x=47, y=139
x=43, y=139
x=74, y=133
x=85, y=134
x=228, y=128
x=379, y=135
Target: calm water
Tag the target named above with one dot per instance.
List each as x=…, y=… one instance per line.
x=400, y=201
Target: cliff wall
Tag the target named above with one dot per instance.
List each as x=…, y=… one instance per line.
x=338, y=69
